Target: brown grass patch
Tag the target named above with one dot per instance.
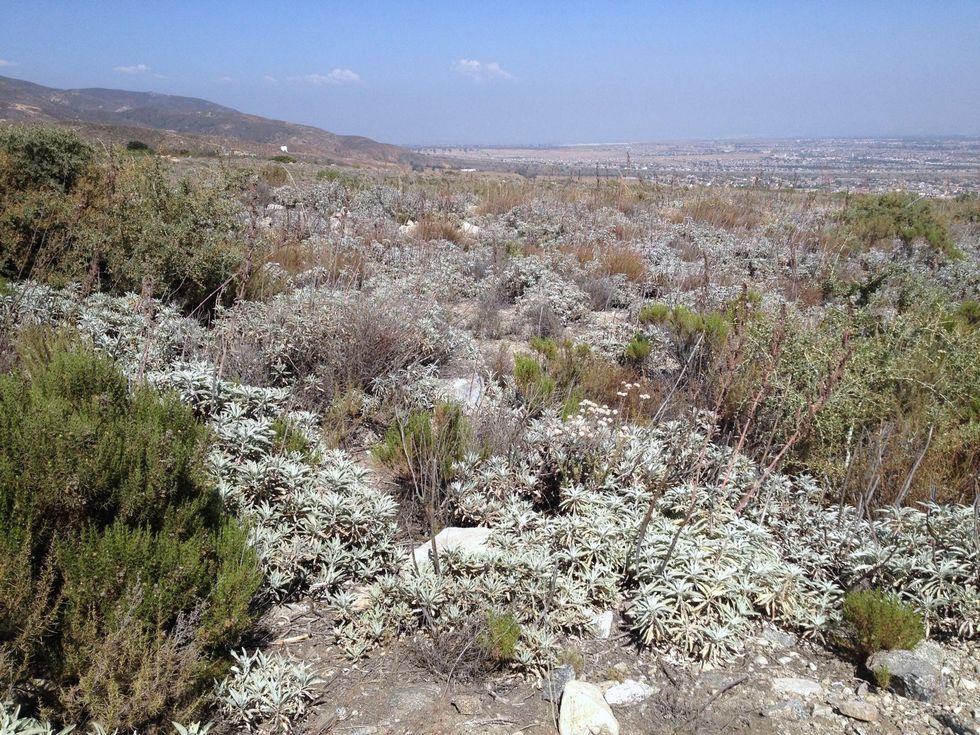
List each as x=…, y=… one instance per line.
x=738, y=212
x=502, y=199
x=625, y=261
x=430, y=229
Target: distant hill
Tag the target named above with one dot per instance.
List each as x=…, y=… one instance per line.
x=168, y=121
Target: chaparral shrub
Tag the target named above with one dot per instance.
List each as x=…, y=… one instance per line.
x=123, y=583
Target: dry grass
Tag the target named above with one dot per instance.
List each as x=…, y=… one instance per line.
x=431, y=229
x=733, y=212
x=503, y=198
x=341, y=264
x=614, y=260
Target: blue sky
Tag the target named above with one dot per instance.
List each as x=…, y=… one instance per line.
x=528, y=72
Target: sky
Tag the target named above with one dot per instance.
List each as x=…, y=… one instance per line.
x=502, y=72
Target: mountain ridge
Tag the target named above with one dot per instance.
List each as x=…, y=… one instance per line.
x=180, y=121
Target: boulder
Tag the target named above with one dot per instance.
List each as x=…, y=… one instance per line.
x=469, y=540
x=470, y=229
x=627, y=693
x=909, y=674
x=585, y=712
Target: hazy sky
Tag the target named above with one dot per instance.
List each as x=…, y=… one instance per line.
x=527, y=72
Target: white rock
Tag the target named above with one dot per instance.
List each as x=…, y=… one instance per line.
x=799, y=687
x=470, y=229
x=469, y=540
x=602, y=624
x=761, y=660
x=629, y=692
x=585, y=712
x=408, y=228
x=467, y=391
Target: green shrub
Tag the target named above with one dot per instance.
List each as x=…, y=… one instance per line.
x=534, y=384
x=654, y=313
x=638, y=349
x=906, y=373
x=284, y=159
x=871, y=218
x=122, y=581
x=878, y=621
x=274, y=174
x=138, y=146
x=113, y=223
x=499, y=637
x=42, y=157
x=423, y=447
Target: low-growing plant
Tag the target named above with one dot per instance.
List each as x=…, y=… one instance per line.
x=499, y=637
x=879, y=621
x=638, y=350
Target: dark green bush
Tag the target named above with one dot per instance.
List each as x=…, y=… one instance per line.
x=42, y=157
x=122, y=581
x=112, y=223
x=871, y=218
x=138, y=146
x=878, y=621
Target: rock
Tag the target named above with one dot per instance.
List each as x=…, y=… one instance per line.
x=469, y=540
x=627, y=693
x=760, y=660
x=856, y=710
x=554, y=685
x=908, y=674
x=931, y=652
x=585, y=712
x=784, y=660
x=790, y=710
x=821, y=710
x=470, y=229
x=602, y=624
x=468, y=704
x=799, y=687
x=968, y=684
x=778, y=637
x=407, y=700
x=466, y=391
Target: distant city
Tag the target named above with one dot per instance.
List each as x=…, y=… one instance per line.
x=943, y=167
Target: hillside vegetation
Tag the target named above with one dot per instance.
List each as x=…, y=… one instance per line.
x=703, y=410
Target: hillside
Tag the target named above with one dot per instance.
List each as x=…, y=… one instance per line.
x=183, y=122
